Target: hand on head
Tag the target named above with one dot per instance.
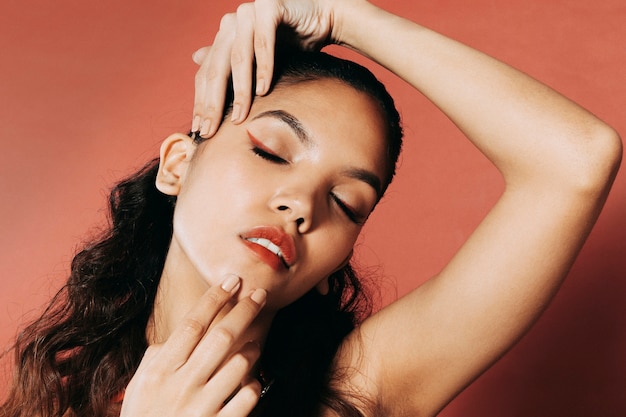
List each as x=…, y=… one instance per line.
x=244, y=47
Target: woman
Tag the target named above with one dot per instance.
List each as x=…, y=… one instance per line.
x=321, y=186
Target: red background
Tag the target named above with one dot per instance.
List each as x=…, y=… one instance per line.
x=89, y=89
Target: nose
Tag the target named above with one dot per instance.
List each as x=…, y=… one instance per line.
x=297, y=209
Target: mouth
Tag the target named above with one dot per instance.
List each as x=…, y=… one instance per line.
x=267, y=244
x=272, y=245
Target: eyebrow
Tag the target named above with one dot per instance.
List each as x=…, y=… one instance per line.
x=290, y=120
x=367, y=177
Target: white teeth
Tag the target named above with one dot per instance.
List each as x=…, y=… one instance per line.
x=266, y=244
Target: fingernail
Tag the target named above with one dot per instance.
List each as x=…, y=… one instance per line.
x=206, y=127
x=236, y=112
x=195, y=125
x=260, y=86
x=258, y=296
x=230, y=283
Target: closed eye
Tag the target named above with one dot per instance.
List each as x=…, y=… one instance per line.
x=347, y=210
x=269, y=156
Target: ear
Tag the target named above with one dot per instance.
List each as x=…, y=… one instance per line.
x=323, y=287
x=175, y=155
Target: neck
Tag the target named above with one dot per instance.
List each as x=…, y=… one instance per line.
x=180, y=289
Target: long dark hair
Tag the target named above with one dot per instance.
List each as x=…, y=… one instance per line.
x=89, y=341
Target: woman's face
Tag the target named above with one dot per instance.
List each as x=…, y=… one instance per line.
x=279, y=200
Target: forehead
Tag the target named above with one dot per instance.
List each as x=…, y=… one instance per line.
x=331, y=114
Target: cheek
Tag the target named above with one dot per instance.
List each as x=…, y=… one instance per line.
x=209, y=212
x=214, y=206
x=220, y=181
x=333, y=248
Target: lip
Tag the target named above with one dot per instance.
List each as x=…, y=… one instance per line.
x=279, y=238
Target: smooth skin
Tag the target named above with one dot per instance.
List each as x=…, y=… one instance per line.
x=558, y=162
x=225, y=188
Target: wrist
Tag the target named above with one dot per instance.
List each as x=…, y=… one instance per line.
x=364, y=27
x=349, y=20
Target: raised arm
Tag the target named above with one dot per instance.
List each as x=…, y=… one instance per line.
x=558, y=162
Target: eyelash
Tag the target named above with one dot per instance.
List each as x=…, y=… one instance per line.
x=268, y=156
x=354, y=218
x=351, y=215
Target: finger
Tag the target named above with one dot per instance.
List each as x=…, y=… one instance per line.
x=201, y=54
x=221, y=340
x=212, y=79
x=267, y=19
x=178, y=348
x=242, y=57
x=242, y=403
x=227, y=381
x=151, y=354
